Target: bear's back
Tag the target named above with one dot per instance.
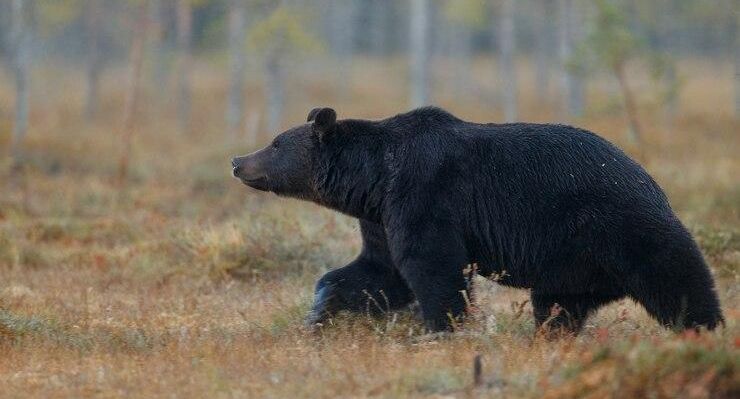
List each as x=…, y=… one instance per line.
x=522, y=164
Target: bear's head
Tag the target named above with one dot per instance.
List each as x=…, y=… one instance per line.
x=286, y=165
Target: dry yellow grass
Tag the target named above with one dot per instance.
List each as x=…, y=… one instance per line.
x=186, y=284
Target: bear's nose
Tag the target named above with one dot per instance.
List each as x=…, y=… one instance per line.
x=236, y=168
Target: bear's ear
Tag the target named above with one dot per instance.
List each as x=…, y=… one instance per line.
x=323, y=119
x=312, y=114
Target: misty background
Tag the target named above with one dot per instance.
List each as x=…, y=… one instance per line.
x=239, y=71
x=133, y=264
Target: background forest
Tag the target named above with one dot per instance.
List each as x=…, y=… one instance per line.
x=133, y=264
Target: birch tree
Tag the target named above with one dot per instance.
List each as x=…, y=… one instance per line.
x=136, y=58
x=277, y=38
x=93, y=17
x=507, y=47
x=237, y=66
x=21, y=42
x=543, y=57
x=737, y=63
x=464, y=16
x=184, y=11
x=613, y=45
x=158, y=48
x=419, y=52
x=571, y=83
x=343, y=22
x=378, y=12
x=659, y=19
x=275, y=89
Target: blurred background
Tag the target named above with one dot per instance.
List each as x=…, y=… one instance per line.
x=131, y=262
x=116, y=107
x=244, y=70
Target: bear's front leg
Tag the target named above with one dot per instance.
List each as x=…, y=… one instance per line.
x=432, y=260
x=363, y=286
x=370, y=284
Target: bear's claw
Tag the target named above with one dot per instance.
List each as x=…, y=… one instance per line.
x=319, y=312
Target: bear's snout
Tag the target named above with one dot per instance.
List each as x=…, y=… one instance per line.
x=246, y=169
x=241, y=169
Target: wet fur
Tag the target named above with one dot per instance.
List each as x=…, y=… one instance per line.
x=551, y=208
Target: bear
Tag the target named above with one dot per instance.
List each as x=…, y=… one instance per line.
x=551, y=208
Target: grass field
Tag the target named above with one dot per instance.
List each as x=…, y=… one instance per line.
x=184, y=283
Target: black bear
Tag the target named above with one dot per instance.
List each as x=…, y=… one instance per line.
x=552, y=208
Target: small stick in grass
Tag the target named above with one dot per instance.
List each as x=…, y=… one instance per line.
x=477, y=371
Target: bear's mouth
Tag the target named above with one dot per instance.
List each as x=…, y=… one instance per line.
x=259, y=183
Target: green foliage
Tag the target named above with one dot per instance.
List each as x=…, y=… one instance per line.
x=16, y=327
x=641, y=370
x=663, y=65
x=283, y=32
x=466, y=12
x=610, y=42
x=54, y=15
x=434, y=381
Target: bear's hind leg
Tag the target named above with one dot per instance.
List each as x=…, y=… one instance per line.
x=673, y=283
x=669, y=277
x=563, y=314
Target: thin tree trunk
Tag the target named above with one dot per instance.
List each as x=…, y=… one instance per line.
x=379, y=15
x=671, y=82
x=571, y=85
x=158, y=50
x=666, y=40
x=564, y=49
x=184, y=62
x=136, y=58
x=630, y=106
x=737, y=64
x=343, y=21
x=237, y=66
x=543, y=59
x=419, y=51
x=461, y=50
x=274, y=88
x=507, y=48
x=92, y=72
x=21, y=39
x=576, y=98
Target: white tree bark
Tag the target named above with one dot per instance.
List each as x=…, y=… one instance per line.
x=274, y=91
x=237, y=66
x=737, y=64
x=184, y=62
x=571, y=84
x=136, y=59
x=461, y=52
x=94, y=64
x=343, y=23
x=21, y=39
x=542, y=12
x=419, y=52
x=159, y=49
x=507, y=47
x=666, y=40
x=379, y=16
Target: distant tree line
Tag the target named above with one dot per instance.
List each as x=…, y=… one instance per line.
x=566, y=40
